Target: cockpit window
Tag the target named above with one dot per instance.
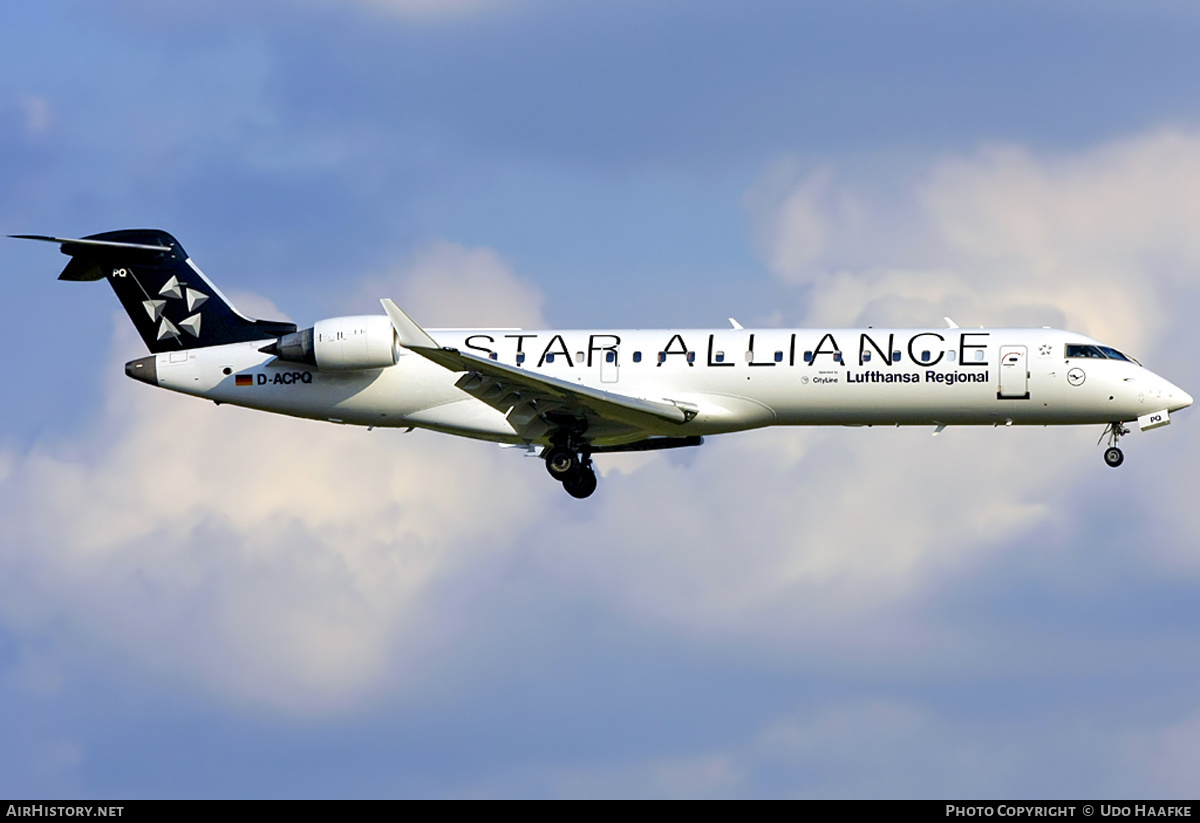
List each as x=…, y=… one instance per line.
x=1113, y=354
x=1096, y=353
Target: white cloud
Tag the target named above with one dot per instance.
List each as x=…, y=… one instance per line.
x=447, y=285
x=811, y=537
x=288, y=556
x=303, y=566
x=791, y=223
x=274, y=560
x=1094, y=241
x=298, y=557
x=1100, y=241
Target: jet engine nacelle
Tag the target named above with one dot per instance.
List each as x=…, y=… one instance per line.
x=341, y=343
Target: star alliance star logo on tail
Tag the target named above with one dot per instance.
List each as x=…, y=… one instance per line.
x=174, y=290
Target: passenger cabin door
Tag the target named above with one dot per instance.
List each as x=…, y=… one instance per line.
x=1014, y=373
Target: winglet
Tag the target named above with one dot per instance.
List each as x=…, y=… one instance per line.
x=734, y=323
x=410, y=334
x=950, y=323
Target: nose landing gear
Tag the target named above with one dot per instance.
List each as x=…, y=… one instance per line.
x=572, y=468
x=1113, y=455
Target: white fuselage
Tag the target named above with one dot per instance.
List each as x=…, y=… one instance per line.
x=735, y=379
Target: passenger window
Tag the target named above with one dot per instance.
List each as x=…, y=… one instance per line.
x=637, y=357
x=662, y=357
x=896, y=356
x=866, y=357
x=493, y=355
x=950, y=355
x=550, y=358
x=610, y=357
x=808, y=357
x=691, y=357
x=925, y=356
x=778, y=357
x=520, y=358
x=720, y=358
x=578, y=357
x=837, y=357
x=979, y=354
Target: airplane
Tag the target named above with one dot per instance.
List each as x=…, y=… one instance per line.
x=567, y=395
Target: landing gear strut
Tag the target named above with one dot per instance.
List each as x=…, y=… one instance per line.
x=1113, y=455
x=571, y=465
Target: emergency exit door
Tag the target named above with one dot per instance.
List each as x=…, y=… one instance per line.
x=610, y=365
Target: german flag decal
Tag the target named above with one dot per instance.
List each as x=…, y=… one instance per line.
x=244, y=380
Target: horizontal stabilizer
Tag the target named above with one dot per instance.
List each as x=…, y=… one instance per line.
x=68, y=243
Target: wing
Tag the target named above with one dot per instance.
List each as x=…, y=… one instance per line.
x=532, y=401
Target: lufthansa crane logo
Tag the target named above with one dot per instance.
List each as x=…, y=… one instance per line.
x=1076, y=377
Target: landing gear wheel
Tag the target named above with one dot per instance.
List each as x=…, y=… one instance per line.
x=582, y=483
x=561, y=462
x=1113, y=456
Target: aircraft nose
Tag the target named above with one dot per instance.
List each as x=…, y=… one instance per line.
x=1177, y=398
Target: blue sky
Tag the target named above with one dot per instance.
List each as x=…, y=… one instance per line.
x=212, y=602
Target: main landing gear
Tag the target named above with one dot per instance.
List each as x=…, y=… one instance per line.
x=1113, y=455
x=572, y=468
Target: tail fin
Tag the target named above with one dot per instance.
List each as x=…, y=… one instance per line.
x=170, y=301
